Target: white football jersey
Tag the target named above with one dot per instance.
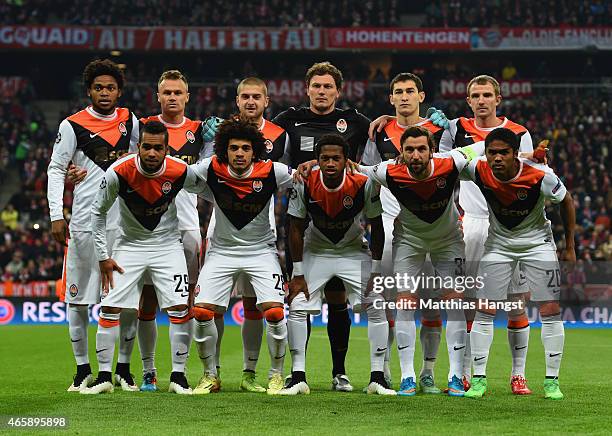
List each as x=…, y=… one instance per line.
x=93, y=142
x=335, y=226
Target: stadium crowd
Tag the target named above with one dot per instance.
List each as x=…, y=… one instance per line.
x=579, y=128
x=310, y=13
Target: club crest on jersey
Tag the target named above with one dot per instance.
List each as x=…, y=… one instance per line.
x=347, y=202
x=73, y=290
x=441, y=183
x=166, y=187
x=257, y=185
x=341, y=125
x=58, y=138
x=122, y=129
x=269, y=146
x=190, y=136
x=521, y=194
x=103, y=184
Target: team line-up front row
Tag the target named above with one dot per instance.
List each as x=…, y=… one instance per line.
x=129, y=226
x=242, y=187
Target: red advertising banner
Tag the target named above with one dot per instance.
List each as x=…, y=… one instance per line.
x=397, y=38
x=9, y=86
x=29, y=289
x=457, y=88
x=542, y=38
x=295, y=90
x=160, y=38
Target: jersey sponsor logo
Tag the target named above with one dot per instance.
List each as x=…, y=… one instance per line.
x=190, y=136
x=521, y=194
x=73, y=290
x=341, y=125
x=347, y=202
x=7, y=312
x=94, y=134
x=166, y=187
x=269, y=146
x=257, y=185
x=299, y=124
x=122, y=129
x=441, y=183
x=58, y=138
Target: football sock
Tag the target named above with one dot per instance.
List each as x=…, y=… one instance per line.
x=553, y=337
x=276, y=335
x=252, y=332
x=481, y=338
x=391, y=337
x=206, y=341
x=467, y=355
x=297, y=333
x=455, y=342
x=78, y=322
x=127, y=334
x=430, y=333
x=147, y=340
x=378, y=331
x=518, y=340
x=405, y=336
x=180, y=338
x=338, y=330
x=220, y=324
x=308, y=330
x=106, y=337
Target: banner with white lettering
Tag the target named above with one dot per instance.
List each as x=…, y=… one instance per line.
x=457, y=88
x=570, y=38
x=398, y=38
x=295, y=90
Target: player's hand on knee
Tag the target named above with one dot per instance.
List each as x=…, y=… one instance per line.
x=437, y=117
x=378, y=125
x=76, y=175
x=106, y=270
x=297, y=285
x=59, y=231
x=210, y=127
x=303, y=170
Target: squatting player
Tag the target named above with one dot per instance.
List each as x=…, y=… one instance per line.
x=519, y=232
x=334, y=247
x=149, y=244
x=92, y=138
x=428, y=223
x=243, y=242
x=406, y=95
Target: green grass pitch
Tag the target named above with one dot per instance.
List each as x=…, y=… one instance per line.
x=37, y=366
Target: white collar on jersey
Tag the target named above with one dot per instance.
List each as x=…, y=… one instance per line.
x=238, y=176
x=489, y=129
x=150, y=175
x=335, y=189
x=93, y=113
x=171, y=125
x=420, y=123
x=263, y=124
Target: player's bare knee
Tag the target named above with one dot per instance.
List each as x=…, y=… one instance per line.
x=549, y=308
x=486, y=311
x=249, y=303
x=335, y=297
x=431, y=316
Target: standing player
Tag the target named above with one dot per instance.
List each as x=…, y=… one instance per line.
x=149, y=243
x=305, y=126
x=92, y=138
x=519, y=232
x=334, y=247
x=428, y=223
x=483, y=98
x=406, y=95
x=252, y=100
x=243, y=242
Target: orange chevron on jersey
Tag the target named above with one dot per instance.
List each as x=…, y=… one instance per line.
x=111, y=131
x=508, y=192
x=478, y=134
x=334, y=202
x=182, y=135
x=152, y=189
x=393, y=133
x=245, y=186
x=443, y=167
x=271, y=131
